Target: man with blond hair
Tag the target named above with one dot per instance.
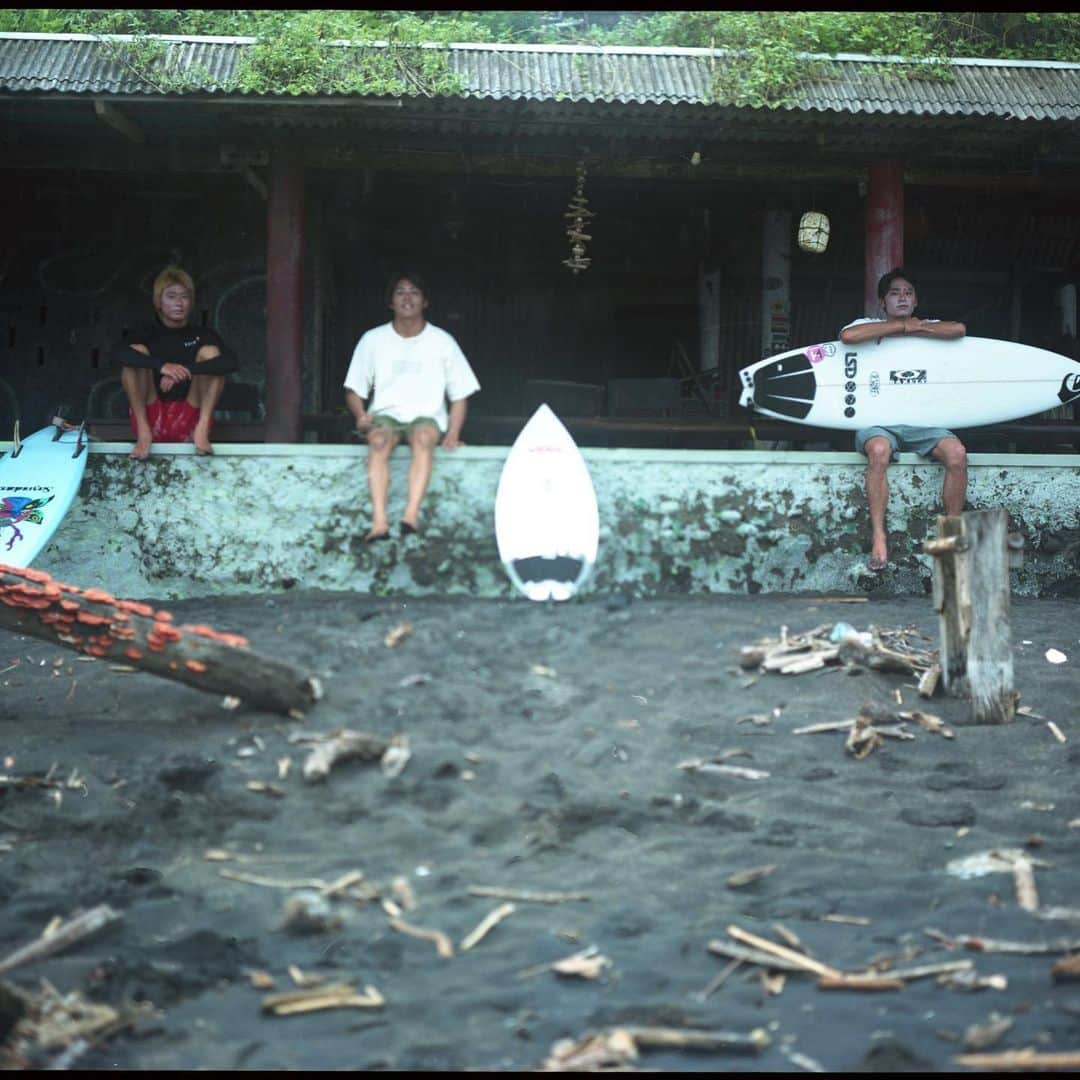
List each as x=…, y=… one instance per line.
x=173, y=373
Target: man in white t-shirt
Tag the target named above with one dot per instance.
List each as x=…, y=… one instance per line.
x=896, y=294
x=414, y=368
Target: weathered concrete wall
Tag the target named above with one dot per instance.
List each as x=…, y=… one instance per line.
x=267, y=518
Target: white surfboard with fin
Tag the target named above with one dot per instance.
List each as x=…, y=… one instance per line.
x=547, y=524
x=39, y=480
x=913, y=380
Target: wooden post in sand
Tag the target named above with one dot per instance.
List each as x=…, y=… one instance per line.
x=97, y=624
x=971, y=595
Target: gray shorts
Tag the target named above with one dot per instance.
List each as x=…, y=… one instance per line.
x=920, y=440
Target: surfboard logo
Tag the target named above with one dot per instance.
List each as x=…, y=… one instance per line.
x=15, y=509
x=875, y=384
x=909, y=377
x=817, y=353
x=1070, y=388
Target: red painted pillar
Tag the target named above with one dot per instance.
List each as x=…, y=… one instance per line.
x=285, y=296
x=884, y=227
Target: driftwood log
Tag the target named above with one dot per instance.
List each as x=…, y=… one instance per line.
x=971, y=596
x=91, y=621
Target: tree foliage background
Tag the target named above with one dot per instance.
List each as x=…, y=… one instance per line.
x=294, y=53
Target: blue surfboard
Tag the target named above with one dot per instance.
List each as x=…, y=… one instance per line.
x=39, y=479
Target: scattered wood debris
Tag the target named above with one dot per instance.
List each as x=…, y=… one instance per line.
x=396, y=756
x=62, y=936
x=874, y=724
x=1068, y=968
x=340, y=746
x=616, y=1049
x=304, y=979
x=1027, y=896
x=984, y=1035
x=69, y=1022
x=486, y=925
x=747, y=877
x=972, y=980
x=1027, y=1060
x=308, y=912
x=443, y=945
x=879, y=649
x=1015, y=948
x=589, y=963
x=859, y=982
x=261, y=787
x=604, y=1051
x=396, y=636
x=341, y=995
x=525, y=896
x=711, y=765
x=800, y=960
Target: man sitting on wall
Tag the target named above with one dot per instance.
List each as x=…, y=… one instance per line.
x=896, y=294
x=414, y=368
x=173, y=373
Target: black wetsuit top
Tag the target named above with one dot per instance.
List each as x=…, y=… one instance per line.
x=177, y=345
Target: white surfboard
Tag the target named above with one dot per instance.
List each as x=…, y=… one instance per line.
x=913, y=380
x=547, y=524
x=38, y=483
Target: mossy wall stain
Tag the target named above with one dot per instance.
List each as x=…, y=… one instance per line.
x=692, y=522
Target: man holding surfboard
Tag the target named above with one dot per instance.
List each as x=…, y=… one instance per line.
x=898, y=299
x=414, y=368
x=173, y=373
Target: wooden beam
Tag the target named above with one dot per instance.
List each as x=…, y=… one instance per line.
x=112, y=116
x=285, y=296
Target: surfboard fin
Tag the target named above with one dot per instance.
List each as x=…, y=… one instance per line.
x=16, y=450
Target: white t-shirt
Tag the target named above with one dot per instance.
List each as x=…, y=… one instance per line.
x=412, y=376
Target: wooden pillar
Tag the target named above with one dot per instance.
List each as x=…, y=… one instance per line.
x=971, y=596
x=884, y=227
x=285, y=296
x=776, y=282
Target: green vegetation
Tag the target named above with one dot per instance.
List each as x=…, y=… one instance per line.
x=294, y=53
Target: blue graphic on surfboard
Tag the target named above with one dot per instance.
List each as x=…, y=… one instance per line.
x=914, y=380
x=547, y=524
x=38, y=483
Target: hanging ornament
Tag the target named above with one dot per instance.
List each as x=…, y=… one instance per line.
x=579, y=214
x=814, y=232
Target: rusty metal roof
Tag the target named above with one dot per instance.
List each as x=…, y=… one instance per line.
x=850, y=84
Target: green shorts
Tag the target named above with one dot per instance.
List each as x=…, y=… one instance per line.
x=402, y=428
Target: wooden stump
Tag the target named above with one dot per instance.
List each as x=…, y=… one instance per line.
x=971, y=596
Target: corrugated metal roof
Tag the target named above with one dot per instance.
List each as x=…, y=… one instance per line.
x=847, y=84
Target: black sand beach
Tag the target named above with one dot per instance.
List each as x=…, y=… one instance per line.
x=545, y=749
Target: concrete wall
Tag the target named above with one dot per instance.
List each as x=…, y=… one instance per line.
x=271, y=517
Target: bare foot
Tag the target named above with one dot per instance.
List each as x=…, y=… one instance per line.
x=879, y=555
x=141, y=450
x=201, y=438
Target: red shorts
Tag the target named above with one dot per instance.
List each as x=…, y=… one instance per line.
x=170, y=421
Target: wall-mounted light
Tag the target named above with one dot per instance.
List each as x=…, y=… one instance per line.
x=813, y=233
